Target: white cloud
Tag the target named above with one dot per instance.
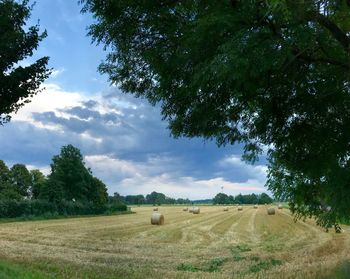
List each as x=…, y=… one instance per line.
x=44, y=169
x=52, y=98
x=57, y=72
x=128, y=177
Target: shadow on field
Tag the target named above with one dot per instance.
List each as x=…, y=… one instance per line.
x=340, y=272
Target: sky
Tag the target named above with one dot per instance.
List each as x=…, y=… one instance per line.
x=123, y=139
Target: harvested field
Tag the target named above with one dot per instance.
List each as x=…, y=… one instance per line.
x=212, y=244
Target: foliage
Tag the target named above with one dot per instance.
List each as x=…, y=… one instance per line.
x=271, y=74
x=4, y=175
x=135, y=199
x=40, y=208
x=69, y=174
x=265, y=199
x=17, y=42
x=70, y=189
x=38, y=183
x=97, y=192
x=152, y=198
x=116, y=198
x=21, y=179
x=222, y=198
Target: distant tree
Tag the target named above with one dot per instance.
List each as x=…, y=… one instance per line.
x=38, y=183
x=4, y=176
x=17, y=42
x=135, y=199
x=239, y=199
x=69, y=174
x=183, y=201
x=231, y=199
x=117, y=198
x=97, y=192
x=155, y=198
x=169, y=200
x=265, y=198
x=221, y=198
x=7, y=190
x=250, y=199
x=21, y=179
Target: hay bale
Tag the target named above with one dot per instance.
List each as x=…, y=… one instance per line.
x=240, y=208
x=155, y=209
x=185, y=209
x=280, y=206
x=196, y=210
x=255, y=206
x=271, y=211
x=190, y=210
x=225, y=208
x=157, y=219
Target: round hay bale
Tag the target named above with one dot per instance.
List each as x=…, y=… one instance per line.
x=190, y=210
x=255, y=206
x=185, y=209
x=157, y=219
x=225, y=208
x=155, y=209
x=196, y=210
x=240, y=208
x=271, y=211
x=280, y=206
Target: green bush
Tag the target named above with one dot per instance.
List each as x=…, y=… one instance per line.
x=35, y=208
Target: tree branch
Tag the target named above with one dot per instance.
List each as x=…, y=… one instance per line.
x=337, y=33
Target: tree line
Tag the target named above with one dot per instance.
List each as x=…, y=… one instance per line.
x=154, y=198
x=222, y=198
x=69, y=189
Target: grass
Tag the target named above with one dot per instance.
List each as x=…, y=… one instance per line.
x=13, y=271
x=212, y=244
x=342, y=271
x=212, y=265
x=187, y=267
x=264, y=265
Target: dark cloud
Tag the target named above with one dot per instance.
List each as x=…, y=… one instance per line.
x=125, y=129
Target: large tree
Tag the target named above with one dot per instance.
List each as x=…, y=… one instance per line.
x=71, y=180
x=69, y=174
x=268, y=74
x=221, y=198
x=18, y=83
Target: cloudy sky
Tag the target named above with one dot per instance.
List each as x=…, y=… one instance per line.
x=122, y=138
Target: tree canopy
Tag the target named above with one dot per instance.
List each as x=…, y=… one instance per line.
x=269, y=74
x=17, y=42
x=70, y=189
x=70, y=179
x=222, y=198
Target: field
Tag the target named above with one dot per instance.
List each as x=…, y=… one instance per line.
x=213, y=244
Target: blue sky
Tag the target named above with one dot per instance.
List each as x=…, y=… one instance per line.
x=122, y=138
